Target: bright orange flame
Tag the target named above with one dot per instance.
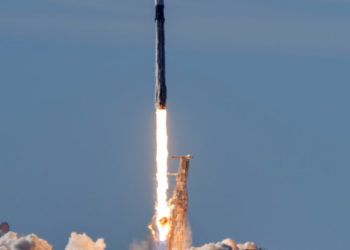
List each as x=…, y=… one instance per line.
x=162, y=206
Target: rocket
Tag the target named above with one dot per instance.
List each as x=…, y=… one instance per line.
x=161, y=90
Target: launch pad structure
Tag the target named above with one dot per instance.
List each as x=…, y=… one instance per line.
x=177, y=237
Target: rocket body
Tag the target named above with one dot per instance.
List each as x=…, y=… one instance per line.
x=161, y=89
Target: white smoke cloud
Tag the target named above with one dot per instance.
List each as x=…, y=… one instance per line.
x=213, y=246
x=11, y=241
x=227, y=244
x=84, y=242
x=247, y=246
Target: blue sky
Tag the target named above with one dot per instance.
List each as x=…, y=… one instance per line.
x=258, y=93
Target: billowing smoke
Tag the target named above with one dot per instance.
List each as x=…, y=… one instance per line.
x=84, y=242
x=11, y=241
x=247, y=246
x=227, y=244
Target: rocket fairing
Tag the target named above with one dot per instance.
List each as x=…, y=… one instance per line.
x=161, y=90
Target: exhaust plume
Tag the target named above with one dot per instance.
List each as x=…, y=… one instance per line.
x=162, y=206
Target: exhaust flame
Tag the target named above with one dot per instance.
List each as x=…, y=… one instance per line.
x=162, y=206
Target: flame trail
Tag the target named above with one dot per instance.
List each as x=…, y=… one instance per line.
x=162, y=206
x=161, y=224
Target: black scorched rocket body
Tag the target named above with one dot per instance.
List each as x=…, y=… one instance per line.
x=161, y=90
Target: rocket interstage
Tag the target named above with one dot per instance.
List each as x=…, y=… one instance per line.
x=161, y=89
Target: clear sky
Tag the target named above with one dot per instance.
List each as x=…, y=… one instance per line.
x=258, y=93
